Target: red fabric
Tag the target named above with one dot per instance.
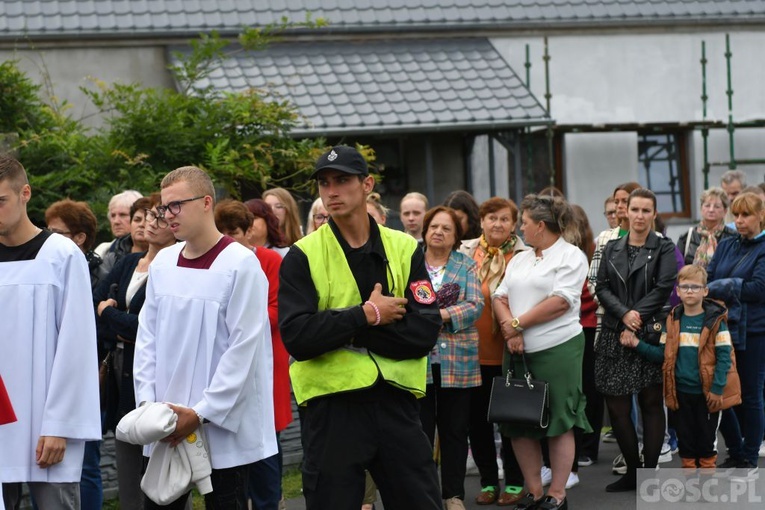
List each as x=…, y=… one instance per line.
x=587, y=316
x=206, y=260
x=271, y=261
x=6, y=409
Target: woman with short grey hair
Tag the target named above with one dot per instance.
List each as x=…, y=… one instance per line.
x=699, y=243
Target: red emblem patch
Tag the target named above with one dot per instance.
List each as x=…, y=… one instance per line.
x=423, y=292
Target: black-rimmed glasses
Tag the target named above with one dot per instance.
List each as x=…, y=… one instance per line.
x=152, y=216
x=690, y=288
x=175, y=206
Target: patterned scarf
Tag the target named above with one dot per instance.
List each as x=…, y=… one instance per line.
x=708, y=244
x=493, y=265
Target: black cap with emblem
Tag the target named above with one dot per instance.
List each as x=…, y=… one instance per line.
x=343, y=159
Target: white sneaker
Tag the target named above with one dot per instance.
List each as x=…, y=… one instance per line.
x=619, y=465
x=470, y=468
x=573, y=480
x=762, y=449
x=666, y=454
x=546, y=476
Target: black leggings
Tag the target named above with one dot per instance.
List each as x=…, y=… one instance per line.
x=651, y=402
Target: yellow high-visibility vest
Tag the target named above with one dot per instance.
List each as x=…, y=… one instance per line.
x=350, y=368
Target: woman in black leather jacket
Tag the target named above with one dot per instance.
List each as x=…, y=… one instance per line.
x=635, y=279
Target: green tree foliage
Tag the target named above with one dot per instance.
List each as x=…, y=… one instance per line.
x=49, y=141
x=241, y=139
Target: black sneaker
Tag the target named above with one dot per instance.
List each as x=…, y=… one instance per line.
x=626, y=483
x=745, y=471
x=731, y=463
x=584, y=461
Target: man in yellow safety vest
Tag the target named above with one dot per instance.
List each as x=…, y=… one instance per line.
x=358, y=313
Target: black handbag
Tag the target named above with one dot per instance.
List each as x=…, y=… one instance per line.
x=520, y=401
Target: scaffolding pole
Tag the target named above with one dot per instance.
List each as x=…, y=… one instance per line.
x=704, y=99
x=548, y=97
x=729, y=92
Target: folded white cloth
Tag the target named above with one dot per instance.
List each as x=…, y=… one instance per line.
x=171, y=471
x=147, y=424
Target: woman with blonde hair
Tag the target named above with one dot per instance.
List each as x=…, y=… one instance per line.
x=317, y=216
x=699, y=243
x=376, y=209
x=286, y=210
x=737, y=276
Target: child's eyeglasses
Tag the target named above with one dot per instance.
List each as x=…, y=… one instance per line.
x=692, y=289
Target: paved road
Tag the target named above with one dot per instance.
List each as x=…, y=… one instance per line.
x=589, y=494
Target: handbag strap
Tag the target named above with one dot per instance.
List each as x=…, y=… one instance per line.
x=526, y=372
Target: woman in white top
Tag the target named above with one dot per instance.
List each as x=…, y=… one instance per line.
x=537, y=306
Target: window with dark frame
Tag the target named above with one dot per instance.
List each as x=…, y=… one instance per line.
x=664, y=170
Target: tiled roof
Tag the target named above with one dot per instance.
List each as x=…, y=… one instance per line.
x=41, y=18
x=387, y=86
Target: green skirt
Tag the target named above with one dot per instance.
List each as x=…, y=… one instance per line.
x=561, y=367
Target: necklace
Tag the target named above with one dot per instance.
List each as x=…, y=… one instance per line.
x=434, y=271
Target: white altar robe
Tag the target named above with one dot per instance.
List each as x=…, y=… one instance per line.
x=48, y=360
x=204, y=342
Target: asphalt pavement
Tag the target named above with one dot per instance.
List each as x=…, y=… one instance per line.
x=589, y=494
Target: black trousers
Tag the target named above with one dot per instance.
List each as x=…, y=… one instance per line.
x=590, y=441
x=229, y=492
x=696, y=427
x=377, y=429
x=482, y=436
x=448, y=409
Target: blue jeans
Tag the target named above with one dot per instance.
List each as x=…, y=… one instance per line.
x=91, y=488
x=743, y=426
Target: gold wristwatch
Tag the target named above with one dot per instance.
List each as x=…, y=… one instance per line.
x=516, y=324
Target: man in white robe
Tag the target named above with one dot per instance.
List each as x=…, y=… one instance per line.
x=203, y=339
x=49, y=362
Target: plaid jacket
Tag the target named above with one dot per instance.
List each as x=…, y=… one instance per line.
x=458, y=341
x=592, y=274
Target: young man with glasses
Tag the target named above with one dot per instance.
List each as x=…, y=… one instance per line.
x=203, y=341
x=49, y=361
x=358, y=313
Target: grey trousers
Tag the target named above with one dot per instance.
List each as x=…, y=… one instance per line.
x=53, y=496
x=129, y=474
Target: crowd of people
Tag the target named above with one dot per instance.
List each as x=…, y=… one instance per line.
x=388, y=340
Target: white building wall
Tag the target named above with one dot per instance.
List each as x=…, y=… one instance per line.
x=596, y=163
x=68, y=69
x=644, y=78
x=481, y=175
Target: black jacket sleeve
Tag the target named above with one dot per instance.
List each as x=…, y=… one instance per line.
x=308, y=332
x=416, y=334
x=116, y=320
x=609, y=299
x=664, y=281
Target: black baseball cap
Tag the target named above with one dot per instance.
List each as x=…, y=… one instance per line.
x=343, y=159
